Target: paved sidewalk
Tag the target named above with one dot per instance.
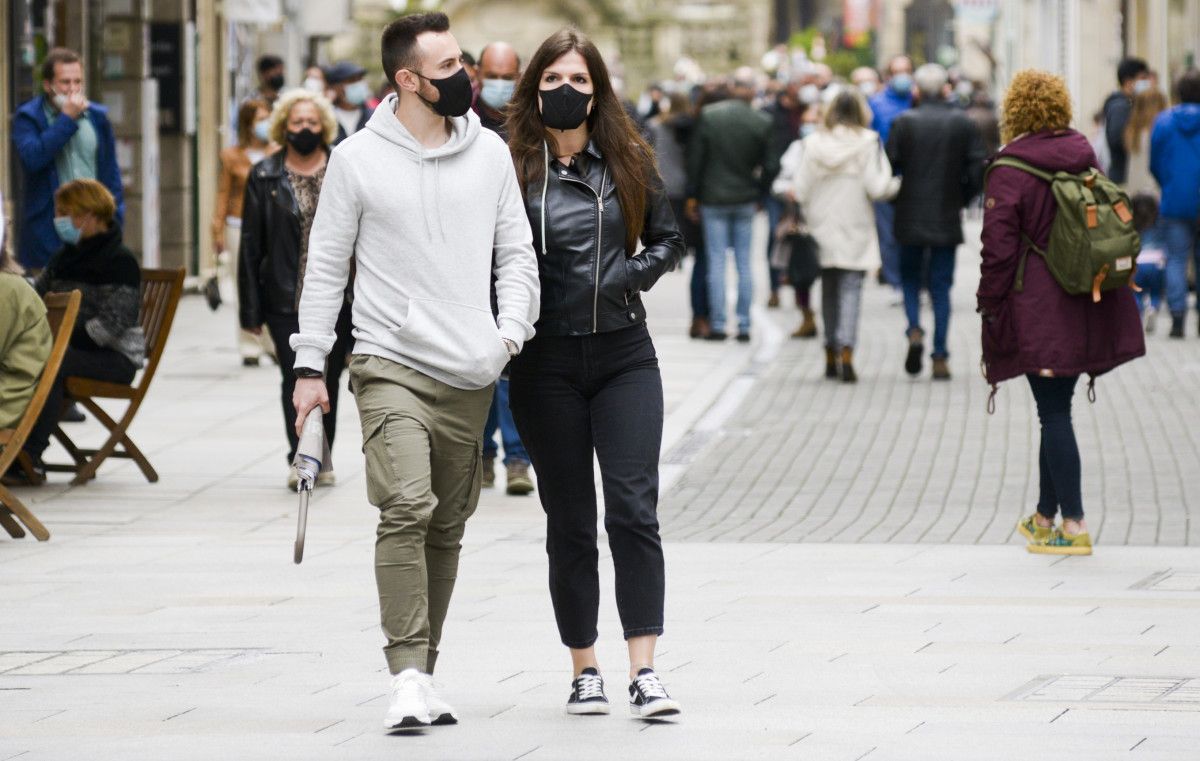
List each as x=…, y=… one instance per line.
x=895, y=459
x=166, y=621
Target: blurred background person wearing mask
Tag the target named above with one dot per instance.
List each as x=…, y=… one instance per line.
x=314, y=80
x=1133, y=77
x=270, y=79
x=281, y=200
x=893, y=99
x=60, y=136
x=253, y=145
x=499, y=70
x=866, y=80
x=349, y=91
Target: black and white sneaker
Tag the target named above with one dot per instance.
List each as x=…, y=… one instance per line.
x=648, y=699
x=587, y=694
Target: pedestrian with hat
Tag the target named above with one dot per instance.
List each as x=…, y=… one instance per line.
x=350, y=92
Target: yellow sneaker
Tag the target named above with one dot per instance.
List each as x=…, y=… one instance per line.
x=1062, y=543
x=1029, y=528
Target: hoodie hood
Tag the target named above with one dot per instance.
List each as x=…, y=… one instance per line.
x=1186, y=118
x=463, y=132
x=1053, y=150
x=841, y=149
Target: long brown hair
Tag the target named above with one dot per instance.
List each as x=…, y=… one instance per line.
x=630, y=158
x=1146, y=107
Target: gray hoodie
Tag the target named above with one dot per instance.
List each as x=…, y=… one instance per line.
x=427, y=228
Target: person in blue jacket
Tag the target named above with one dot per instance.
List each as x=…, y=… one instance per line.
x=60, y=136
x=1175, y=163
x=893, y=99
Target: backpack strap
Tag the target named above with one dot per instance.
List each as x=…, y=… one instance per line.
x=1024, y=166
x=1019, y=283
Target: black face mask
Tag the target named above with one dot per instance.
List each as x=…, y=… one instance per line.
x=304, y=142
x=454, y=94
x=275, y=82
x=564, y=107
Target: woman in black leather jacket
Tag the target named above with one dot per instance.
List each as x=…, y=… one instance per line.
x=280, y=202
x=589, y=381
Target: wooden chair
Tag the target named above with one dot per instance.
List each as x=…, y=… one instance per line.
x=62, y=309
x=161, y=290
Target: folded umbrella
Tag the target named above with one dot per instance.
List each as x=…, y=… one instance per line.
x=312, y=459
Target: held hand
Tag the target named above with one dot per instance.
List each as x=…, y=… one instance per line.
x=692, y=210
x=75, y=105
x=309, y=393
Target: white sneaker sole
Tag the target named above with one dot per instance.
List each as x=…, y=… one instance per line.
x=656, y=710
x=588, y=709
x=405, y=723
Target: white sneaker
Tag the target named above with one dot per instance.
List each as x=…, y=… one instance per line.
x=408, y=708
x=326, y=478
x=441, y=712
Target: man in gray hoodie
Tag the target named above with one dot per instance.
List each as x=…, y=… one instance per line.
x=427, y=205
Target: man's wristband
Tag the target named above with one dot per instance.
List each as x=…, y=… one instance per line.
x=308, y=372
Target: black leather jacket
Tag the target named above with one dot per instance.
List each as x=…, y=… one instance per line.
x=269, y=259
x=589, y=284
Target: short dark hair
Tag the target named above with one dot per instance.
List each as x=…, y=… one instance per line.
x=1145, y=211
x=1131, y=68
x=470, y=60
x=54, y=58
x=268, y=62
x=1187, y=87
x=399, y=43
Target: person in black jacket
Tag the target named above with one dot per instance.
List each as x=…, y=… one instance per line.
x=107, y=343
x=1133, y=77
x=281, y=199
x=939, y=154
x=589, y=381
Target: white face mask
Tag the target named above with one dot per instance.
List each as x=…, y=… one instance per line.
x=314, y=84
x=1141, y=86
x=357, y=93
x=868, y=87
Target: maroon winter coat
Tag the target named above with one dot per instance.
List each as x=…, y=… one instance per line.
x=1042, y=329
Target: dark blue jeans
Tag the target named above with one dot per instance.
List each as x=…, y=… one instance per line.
x=1179, y=236
x=1058, y=458
x=932, y=268
x=889, y=249
x=572, y=397
x=500, y=417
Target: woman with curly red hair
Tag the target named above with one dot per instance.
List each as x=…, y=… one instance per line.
x=1041, y=331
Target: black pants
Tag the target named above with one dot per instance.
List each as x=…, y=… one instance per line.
x=97, y=364
x=281, y=327
x=1059, y=456
x=570, y=397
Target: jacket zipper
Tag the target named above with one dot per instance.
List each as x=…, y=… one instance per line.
x=599, y=240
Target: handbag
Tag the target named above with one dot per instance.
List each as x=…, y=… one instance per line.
x=796, y=249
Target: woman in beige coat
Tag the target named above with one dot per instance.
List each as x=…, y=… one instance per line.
x=841, y=171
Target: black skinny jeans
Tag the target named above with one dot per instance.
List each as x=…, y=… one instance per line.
x=1059, y=456
x=281, y=327
x=97, y=364
x=572, y=396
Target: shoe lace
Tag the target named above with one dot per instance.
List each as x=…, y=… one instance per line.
x=650, y=686
x=589, y=686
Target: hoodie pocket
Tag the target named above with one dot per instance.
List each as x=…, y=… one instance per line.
x=458, y=340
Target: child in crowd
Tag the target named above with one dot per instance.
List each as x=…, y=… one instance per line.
x=1151, y=261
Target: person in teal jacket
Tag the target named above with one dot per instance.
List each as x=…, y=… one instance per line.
x=60, y=136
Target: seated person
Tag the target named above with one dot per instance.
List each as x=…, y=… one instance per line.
x=107, y=343
x=24, y=339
